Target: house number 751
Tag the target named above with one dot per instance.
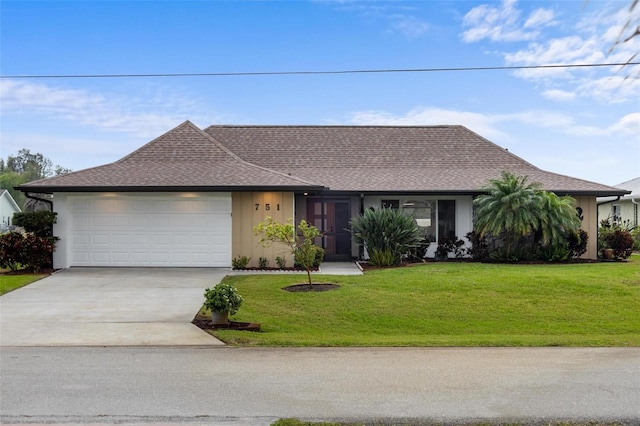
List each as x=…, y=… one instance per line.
x=267, y=206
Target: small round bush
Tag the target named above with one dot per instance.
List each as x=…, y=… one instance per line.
x=223, y=298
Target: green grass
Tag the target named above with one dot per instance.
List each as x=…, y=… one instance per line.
x=11, y=282
x=448, y=304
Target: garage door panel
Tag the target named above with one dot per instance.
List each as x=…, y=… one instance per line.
x=100, y=240
x=121, y=240
x=99, y=221
x=100, y=257
x=150, y=231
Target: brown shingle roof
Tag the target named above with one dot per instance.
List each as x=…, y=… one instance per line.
x=388, y=158
x=424, y=159
x=185, y=157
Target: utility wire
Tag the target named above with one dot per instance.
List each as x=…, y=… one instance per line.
x=375, y=71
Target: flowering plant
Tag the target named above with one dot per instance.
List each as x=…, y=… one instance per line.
x=222, y=298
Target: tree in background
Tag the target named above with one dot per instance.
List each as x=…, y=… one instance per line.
x=26, y=167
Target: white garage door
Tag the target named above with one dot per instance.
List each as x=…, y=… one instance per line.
x=146, y=230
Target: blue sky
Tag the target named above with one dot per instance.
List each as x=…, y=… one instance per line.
x=579, y=122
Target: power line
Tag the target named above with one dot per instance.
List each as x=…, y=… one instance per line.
x=373, y=71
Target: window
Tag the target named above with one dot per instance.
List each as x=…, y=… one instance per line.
x=424, y=212
x=615, y=213
x=446, y=218
x=436, y=218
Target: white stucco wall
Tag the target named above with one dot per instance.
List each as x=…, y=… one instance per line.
x=61, y=230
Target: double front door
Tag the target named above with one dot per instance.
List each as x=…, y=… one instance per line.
x=331, y=216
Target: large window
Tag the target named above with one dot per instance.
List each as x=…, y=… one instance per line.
x=436, y=218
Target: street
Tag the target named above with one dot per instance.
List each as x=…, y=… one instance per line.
x=255, y=386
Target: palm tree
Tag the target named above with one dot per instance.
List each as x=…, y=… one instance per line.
x=557, y=219
x=511, y=206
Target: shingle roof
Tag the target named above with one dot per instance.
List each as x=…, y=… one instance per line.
x=183, y=158
x=388, y=158
x=423, y=159
x=632, y=185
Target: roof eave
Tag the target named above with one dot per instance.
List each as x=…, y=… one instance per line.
x=593, y=193
x=213, y=188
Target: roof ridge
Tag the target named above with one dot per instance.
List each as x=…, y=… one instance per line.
x=511, y=154
x=241, y=160
x=343, y=126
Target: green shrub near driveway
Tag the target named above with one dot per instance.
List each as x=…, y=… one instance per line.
x=449, y=304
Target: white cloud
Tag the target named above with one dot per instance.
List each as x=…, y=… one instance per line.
x=409, y=26
x=589, y=40
x=559, y=95
x=399, y=17
x=610, y=89
x=503, y=23
x=540, y=17
x=484, y=124
x=162, y=108
x=566, y=50
x=629, y=124
x=492, y=126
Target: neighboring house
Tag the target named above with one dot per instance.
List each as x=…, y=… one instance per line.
x=622, y=208
x=192, y=197
x=8, y=207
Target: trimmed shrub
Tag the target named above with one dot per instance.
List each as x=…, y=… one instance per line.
x=27, y=250
x=281, y=262
x=448, y=245
x=621, y=242
x=240, y=262
x=479, y=250
x=11, y=250
x=38, y=252
x=577, y=243
x=40, y=222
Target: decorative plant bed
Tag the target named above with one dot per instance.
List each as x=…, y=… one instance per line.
x=275, y=269
x=205, y=323
x=301, y=288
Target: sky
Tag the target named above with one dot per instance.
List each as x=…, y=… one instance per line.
x=581, y=122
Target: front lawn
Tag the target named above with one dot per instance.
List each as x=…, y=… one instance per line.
x=10, y=282
x=448, y=304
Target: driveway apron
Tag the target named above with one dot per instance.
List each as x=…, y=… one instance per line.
x=109, y=307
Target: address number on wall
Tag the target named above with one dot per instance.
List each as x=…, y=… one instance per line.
x=267, y=206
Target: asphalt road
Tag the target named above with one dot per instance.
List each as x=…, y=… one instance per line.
x=254, y=386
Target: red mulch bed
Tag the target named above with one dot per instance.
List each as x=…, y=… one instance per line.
x=205, y=323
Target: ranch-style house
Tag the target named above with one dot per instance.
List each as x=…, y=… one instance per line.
x=191, y=197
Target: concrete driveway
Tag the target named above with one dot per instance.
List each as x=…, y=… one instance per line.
x=109, y=307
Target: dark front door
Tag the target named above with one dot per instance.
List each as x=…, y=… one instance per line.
x=331, y=216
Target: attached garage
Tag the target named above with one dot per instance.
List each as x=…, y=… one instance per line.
x=190, y=230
